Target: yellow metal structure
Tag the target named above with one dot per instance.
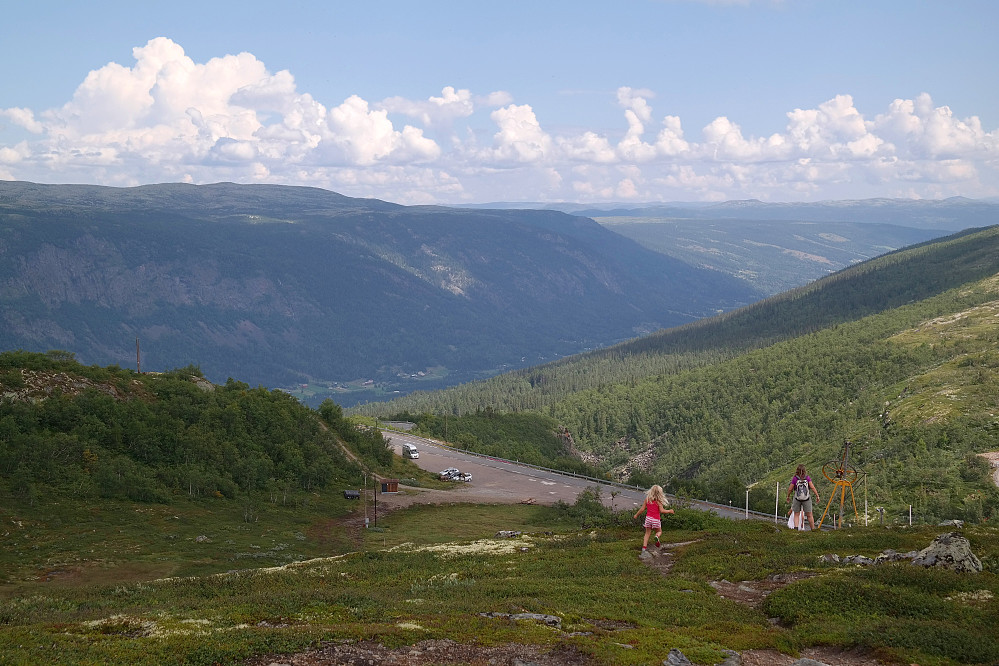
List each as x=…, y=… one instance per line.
x=843, y=475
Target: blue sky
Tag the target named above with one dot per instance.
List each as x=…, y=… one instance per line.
x=461, y=102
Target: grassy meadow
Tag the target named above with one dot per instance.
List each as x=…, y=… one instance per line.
x=132, y=583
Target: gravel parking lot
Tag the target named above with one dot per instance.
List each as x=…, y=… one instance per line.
x=497, y=481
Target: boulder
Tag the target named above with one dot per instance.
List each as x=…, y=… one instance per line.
x=951, y=523
x=676, y=658
x=949, y=551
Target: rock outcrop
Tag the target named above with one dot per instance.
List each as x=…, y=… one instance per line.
x=949, y=551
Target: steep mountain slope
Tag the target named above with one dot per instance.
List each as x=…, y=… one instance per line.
x=282, y=285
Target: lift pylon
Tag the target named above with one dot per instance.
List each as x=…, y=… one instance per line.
x=843, y=475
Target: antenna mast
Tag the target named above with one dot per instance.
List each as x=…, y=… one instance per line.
x=138, y=366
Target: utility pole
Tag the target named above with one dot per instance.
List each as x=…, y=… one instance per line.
x=138, y=365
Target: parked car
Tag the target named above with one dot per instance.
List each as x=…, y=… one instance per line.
x=454, y=474
x=410, y=451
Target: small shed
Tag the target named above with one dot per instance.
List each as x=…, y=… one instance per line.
x=390, y=485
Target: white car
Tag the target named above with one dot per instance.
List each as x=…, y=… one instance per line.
x=449, y=473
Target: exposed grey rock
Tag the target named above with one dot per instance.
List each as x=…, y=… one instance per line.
x=858, y=559
x=507, y=534
x=829, y=557
x=676, y=658
x=951, y=523
x=891, y=555
x=949, y=551
x=645, y=554
x=732, y=658
x=805, y=661
x=550, y=620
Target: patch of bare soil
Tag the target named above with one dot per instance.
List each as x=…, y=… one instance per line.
x=427, y=652
x=661, y=559
x=753, y=592
x=828, y=656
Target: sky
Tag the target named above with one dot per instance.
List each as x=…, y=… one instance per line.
x=451, y=102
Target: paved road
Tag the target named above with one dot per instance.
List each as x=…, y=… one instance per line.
x=500, y=481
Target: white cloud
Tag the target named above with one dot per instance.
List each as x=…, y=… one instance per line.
x=520, y=137
x=365, y=136
x=167, y=117
x=924, y=131
x=444, y=110
x=588, y=147
x=23, y=118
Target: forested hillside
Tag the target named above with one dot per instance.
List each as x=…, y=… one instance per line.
x=897, y=355
x=102, y=432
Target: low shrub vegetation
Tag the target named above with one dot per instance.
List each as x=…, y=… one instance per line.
x=434, y=571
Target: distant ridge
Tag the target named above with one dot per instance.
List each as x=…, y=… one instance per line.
x=952, y=214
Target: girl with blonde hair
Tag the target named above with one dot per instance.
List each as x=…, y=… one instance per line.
x=655, y=507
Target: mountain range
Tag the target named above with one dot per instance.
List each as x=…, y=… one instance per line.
x=283, y=286
x=360, y=299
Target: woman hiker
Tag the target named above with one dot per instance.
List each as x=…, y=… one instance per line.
x=802, y=489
